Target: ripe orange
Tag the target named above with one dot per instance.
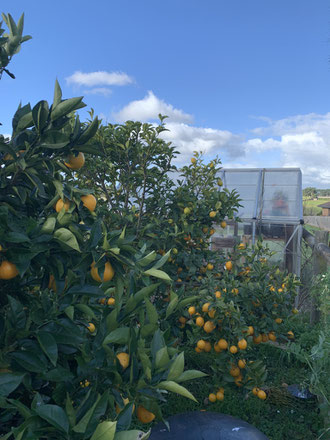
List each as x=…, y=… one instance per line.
x=193, y=160
x=220, y=396
x=209, y=327
x=223, y=224
x=75, y=162
x=144, y=415
x=212, y=231
x=255, y=391
x=182, y=319
x=229, y=265
x=201, y=344
x=217, y=294
x=198, y=350
x=208, y=347
x=89, y=202
x=242, y=344
x=264, y=337
x=223, y=344
x=60, y=204
x=290, y=334
x=257, y=339
x=91, y=327
x=8, y=270
x=111, y=302
x=107, y=275
x=272, y=336
x=251, y=330
x=278, y=320
x=217, y=349
x=102, y=301
x=212, y=397
x=211, y=313
x=242, y=363
x=123, y=359
x=199, y=321
x=234, y=371
x=262, y=395
x=205, y=307
x=210, y=266
x=212, y=214
x=192, y=310
x=233, y=349
x=241, y=246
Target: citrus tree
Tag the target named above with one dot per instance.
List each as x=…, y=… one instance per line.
x=80, y=345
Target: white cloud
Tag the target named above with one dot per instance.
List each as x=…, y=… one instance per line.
x=99, y=78
x=189, y=138
x=301, y=141
x=98, y=91
x=148, y=108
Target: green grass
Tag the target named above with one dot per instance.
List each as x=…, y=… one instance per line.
x=308, y=204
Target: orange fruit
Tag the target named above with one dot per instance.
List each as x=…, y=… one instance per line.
x=111, y=302
x=217, y=294
x=182, y=319
x=241, y=246
x=220, y=396
x=89, y=202
x=264, y=337
x=193, y=160
x=212, y=397
x=223, y=344
x=233, y=349
x=102, y=301
x=255, y=391
x=278, y=320
x=221, y=390
x=290, y=334
x=201, y=344
x=217, y=349
x=242, y=363
x=272, y=336
x=123, y=359
x=60, y=204
x=234, y=291
x=262, y=395
x=75, y=162
x=210, y=266
x=199, y=321
x=91, y=327
x=108, y=273
x=212, y=231
x=223, y=224
x=242, y=344
x=238, y=380
x=198, y=350
x=212, y=214
x=208, y=347
x=250, y=330
x=205, y=307
x=209, y=327
x=234, y=371
x=257, y=339
x=229, y=265
x=192, y=310
x=8, y=270
x=211, y=313
x=144, y=415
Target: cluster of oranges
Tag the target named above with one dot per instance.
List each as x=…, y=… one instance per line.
x=217, y=395
x=110, y=301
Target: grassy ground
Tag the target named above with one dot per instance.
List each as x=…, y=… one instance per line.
x=279, y=417
x=314, y=204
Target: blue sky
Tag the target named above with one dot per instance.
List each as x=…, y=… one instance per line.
x=248, y=80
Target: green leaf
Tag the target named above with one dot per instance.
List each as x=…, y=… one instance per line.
x=88, y=132
x=190, y=375
x=54, y=139
x=133, y=434
x=162, y=358
x=48, y=345
x=49, y=226
x=24, y=122
x=133, y=301
x=172, y=304
x=176, y=388
x=176, y=368
x=82, y=425
x=30, y=361
x=86, y=290
x=9, y=382
x=57, y=94
x=111, y=320
x=157, y=274
x=105, y=431
x=151, y=312
x=66, y=237
x=70, y=412
x=85, y=309
x=65, y=107
x=145, y=261
x=40, y=114
x=54, y=415
x=162, y=260
x=118, y=336
x=69, y=311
